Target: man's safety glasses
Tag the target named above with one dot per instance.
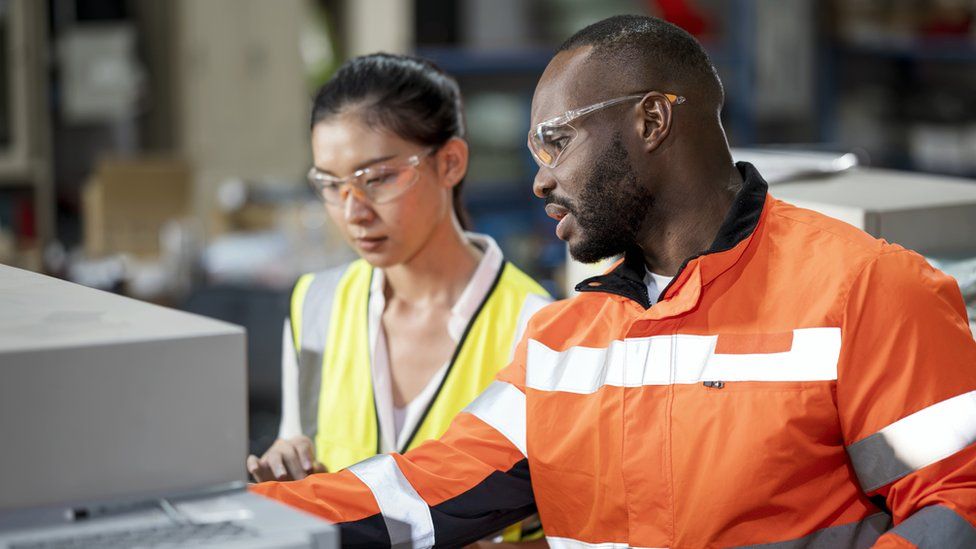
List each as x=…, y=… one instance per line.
x=550, y=138
x=377, y=184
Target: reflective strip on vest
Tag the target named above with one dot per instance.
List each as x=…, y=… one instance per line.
x=311, y=308
x=348, y=429
x=296, y=312
x=334, y=339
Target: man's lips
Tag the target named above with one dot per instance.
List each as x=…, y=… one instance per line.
x=564, y=216
x=556, y=211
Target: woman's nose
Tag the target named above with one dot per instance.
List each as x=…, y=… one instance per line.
x=357, y=208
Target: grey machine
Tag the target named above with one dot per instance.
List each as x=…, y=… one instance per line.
x=124, y=424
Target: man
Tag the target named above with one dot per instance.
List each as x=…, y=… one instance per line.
x=750, y=373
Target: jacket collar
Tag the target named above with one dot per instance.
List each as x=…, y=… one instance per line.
x=626, y=278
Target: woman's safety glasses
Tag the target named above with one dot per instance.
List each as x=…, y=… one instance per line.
x=550, y=138
x=377, y=184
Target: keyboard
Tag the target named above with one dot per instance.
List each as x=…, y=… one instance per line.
x=170, y=535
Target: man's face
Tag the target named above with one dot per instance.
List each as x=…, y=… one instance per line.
x=594, y=190
x=611, y=205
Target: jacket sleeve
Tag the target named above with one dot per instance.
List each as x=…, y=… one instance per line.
x=906, y=392
x=468, y=484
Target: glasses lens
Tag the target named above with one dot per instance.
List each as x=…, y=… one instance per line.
x=548, y=143
x=328, y=188
x=377, y=185
x=384, y=184
x=535, y=147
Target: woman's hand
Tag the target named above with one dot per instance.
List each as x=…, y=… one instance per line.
x=287, y=459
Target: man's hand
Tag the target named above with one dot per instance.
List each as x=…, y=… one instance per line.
x=287, y=459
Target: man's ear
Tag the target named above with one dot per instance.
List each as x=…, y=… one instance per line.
x=452, y=161
x=655, y=120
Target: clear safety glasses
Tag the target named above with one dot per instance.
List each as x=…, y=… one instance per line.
x=550, y=138
x=377, y=184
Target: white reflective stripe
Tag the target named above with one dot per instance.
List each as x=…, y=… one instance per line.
x=812, y=357
x=915, y=441
x=502, y=406
x=576, y=370
x=532, y=305
x=648, y=361
x=406, y=514
x=567, y=543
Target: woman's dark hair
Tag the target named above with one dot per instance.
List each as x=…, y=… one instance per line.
x=406, y=95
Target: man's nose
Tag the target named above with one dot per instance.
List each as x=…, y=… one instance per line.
x=544, y=183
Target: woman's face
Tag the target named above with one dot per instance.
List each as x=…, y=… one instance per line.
x=389, y=233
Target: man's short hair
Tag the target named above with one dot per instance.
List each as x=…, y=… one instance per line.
x=653, y=51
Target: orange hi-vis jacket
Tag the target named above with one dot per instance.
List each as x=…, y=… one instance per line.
x=800, y=384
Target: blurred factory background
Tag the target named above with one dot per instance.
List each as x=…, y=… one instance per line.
x=158, y=148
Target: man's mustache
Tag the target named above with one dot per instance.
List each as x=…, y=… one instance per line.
x=560, y=201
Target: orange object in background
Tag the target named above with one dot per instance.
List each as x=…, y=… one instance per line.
x=801, y=382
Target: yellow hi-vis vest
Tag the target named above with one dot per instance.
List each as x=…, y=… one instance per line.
x=329, y=319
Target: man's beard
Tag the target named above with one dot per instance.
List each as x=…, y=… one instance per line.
x=611, y=207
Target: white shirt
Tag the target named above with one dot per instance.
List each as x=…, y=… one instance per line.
x=655, y=284
x=396, y=425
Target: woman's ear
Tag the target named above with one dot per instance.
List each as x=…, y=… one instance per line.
x=452, y=161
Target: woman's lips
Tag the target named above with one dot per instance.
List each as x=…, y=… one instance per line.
x=370, y=243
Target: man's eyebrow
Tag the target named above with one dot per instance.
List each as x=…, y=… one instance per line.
x=361, y=165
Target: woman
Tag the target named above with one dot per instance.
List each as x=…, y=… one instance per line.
x=382, y=353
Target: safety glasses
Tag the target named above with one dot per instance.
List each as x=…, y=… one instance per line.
x=377, y=184
x=551, y=138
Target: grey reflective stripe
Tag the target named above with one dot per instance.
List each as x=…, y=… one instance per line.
x=316, y=313
x=915, y=441
x=937, y=526
x=876, y=462
x=856, y=535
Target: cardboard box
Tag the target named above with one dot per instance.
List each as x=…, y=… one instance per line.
x=127, y=201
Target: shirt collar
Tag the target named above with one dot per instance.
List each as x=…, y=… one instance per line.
x=626, y=278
